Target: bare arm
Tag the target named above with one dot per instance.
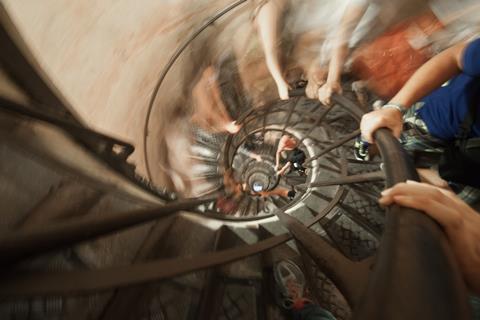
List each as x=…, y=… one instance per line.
x=284, y=169
x=431, y=75
x=349, y=22
x=275, y=192
x=267, y=23
x=428, y=77
x=281, y=145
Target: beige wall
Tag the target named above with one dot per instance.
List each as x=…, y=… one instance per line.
x=105, y=55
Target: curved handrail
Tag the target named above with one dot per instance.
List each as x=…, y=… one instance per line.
x=98, y=143
x=68, y=282
x=18, y=244
x=415, y=275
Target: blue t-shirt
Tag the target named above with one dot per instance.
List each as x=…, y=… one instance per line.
x=446, y=107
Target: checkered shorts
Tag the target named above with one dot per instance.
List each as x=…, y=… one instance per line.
x=416, y=138
x=415, y=135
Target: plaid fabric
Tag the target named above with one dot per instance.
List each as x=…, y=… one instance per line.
x=470, y=195
x=475, y=304
x=416, y=137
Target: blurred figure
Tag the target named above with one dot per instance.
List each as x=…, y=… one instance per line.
x=210, y=112
x=294, y=158
x=373, y=17
x=267, y=23
x=233, y=193
x=308, y=29
x=423, y=28
x=387, y=62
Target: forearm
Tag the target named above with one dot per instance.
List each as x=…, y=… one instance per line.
x=349, y=22
x=267, y=22
x=276, y=192
x=336, y=65
x=285, y=168
x=430, y=76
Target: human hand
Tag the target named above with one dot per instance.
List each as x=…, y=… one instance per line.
x=316, y=79
x=384, y=118
x=258, y=158
x=327, y=90
x=460, y=222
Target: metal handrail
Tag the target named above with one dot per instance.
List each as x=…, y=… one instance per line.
x=415, y=275
x=19, y=244
x=99, y=143
x=71, y=282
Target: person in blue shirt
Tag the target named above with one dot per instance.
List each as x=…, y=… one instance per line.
x=433, y=103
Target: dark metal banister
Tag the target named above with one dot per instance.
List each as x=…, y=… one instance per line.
x=98, y=143
x=18, y=244
x=415, y=275
x=75, y=130
x=83, y=281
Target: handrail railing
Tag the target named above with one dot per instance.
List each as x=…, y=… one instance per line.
x=415, y=275
x=18, y=244
x=82, y=281
x=100, y=144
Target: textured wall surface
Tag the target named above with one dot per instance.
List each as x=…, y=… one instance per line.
x=105, y=56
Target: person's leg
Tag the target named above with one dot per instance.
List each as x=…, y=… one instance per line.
x=267, y=22
x=219, y=112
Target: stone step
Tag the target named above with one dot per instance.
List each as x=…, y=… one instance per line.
x=249, y=268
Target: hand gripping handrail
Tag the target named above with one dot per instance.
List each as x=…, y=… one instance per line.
x=415, y=275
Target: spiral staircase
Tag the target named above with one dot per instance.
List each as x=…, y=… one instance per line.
x=91, y=239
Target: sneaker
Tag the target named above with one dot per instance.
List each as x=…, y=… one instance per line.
x=360, y=149
x=290, y=282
